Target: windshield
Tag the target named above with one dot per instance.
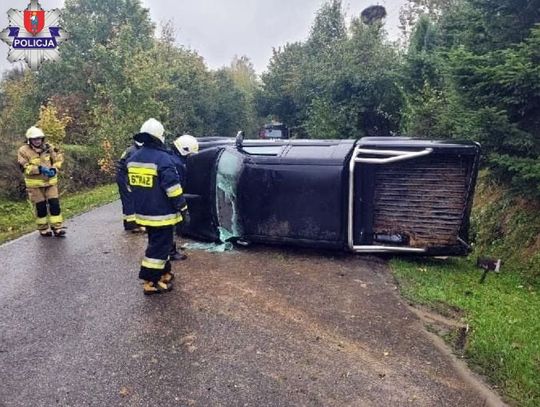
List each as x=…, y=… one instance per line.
x=228, y=173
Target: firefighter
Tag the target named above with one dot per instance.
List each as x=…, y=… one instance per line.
x=40, y=162
x=128, y=207
x=183, y=147
x=159, y=204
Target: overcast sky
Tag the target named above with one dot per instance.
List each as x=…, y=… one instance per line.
x=220, y=29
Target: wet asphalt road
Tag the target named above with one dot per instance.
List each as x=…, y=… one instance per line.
x=256, y=327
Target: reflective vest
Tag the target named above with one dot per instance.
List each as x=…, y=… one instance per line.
x=155, y=185
x=30, y=158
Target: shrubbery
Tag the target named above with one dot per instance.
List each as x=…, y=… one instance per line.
x=113, y=75
x=507, y=227
x=473, y=73
x=80, y=171
x=11, y=177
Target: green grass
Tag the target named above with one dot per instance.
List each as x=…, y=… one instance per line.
x=503, y=315
x=17, y=218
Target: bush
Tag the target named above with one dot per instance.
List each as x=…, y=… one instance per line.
x=80, y=171
x=521, y=174
x=507, y=227
x=53, y=126
x=11, y=178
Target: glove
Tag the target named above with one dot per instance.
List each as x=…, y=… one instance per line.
x=48, y=172
x=52, y=172
x=186, y=219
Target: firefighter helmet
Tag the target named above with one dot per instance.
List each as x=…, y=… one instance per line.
x=186, y=145
x=34, y=132
x=154, y=128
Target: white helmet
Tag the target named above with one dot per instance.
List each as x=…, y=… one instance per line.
x=154, y=128
x=34, y=132
x=186, y=145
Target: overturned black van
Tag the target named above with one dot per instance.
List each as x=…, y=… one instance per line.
x=390, y=194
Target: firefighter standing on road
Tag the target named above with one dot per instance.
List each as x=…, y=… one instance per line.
x=183, y=147
x=128, y=206
x=40, y=163
x=159, y=204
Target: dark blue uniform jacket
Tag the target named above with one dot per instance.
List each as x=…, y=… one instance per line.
x=155, y=184
x=121, y=164
x=180, y=162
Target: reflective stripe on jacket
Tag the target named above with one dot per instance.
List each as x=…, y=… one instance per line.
x=155, y=185
x=30, y=158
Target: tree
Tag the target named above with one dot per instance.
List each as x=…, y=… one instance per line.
x=105, y=38
x=283, y=93
x=479, y=79
x=52, y=125
x=114, y=74
x=335, y=85
x=328, y=28
x=19, y=104
x=231, y=102
x=411, y=13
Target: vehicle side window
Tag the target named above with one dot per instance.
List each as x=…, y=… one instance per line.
x=310, y=151
x=263, y=150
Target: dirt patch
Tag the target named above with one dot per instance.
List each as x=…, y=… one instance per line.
x=455, y=332
x=312, y=328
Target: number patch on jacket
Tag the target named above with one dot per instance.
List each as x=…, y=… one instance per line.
x=140, y=180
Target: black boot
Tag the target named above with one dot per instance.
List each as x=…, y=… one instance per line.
x=177, y=256
x=59, y=232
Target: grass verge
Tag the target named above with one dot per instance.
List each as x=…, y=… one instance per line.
x=503, y=315
x=17, y=218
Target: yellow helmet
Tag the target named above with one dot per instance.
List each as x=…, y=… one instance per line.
x=34, y=132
